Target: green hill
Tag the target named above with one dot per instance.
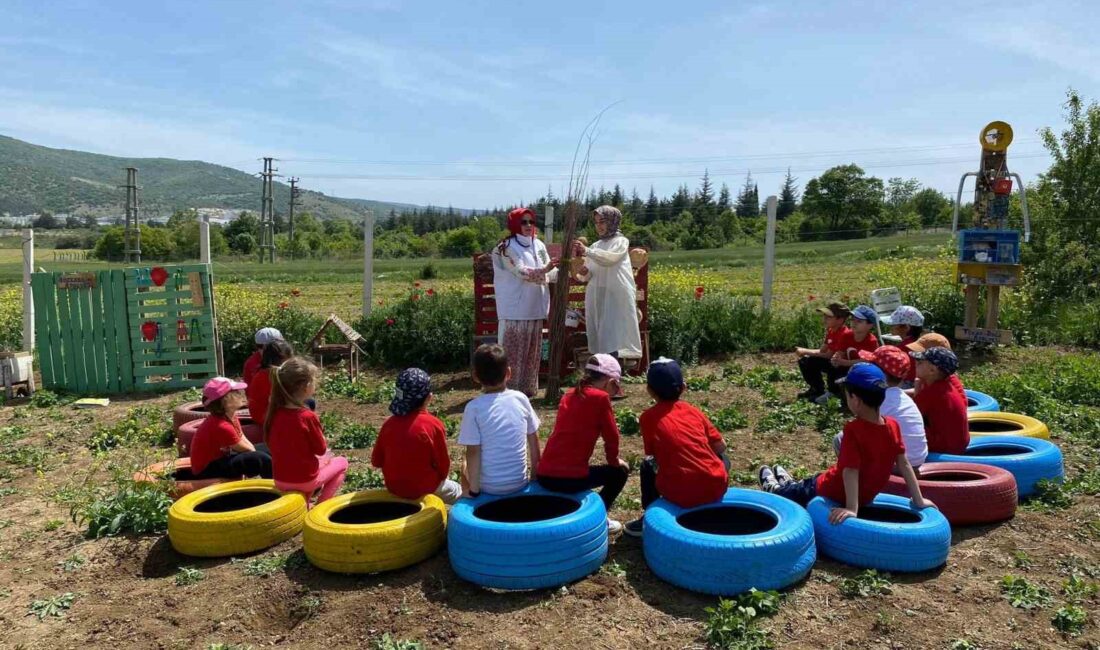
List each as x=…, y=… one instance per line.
x=61, y=180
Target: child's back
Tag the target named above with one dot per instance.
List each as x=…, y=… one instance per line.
x=295, y=440
x=680, y=438
x=499, y=422
x=411, y=451
x=868, y=447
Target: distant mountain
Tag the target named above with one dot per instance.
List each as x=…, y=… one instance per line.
x=38, y=178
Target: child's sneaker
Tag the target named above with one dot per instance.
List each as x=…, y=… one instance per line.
x=822, y=399
x=782, y=475
x=634, y=528
x=614, y=527
x=809, y=395
x=767, y=479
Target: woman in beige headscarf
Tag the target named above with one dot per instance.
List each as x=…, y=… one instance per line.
x=610, y=306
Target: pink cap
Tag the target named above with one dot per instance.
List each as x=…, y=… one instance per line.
x=219, y=387
x=605, y=364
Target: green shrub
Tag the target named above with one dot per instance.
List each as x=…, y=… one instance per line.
x=1070, y=620
x=387, y=642
x=142, y=425
x=627, y=419
x=55, y=606
x=343, y=433
x=189, y=575
x=138, y=508
x=362, y=479
x=732, y=625
x=1024, y=595
x=867, y=583
x=727, y=419
x=424, y=330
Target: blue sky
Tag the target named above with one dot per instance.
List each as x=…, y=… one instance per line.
x=480, y=103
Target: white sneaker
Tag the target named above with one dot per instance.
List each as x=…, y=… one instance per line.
x=614, y=527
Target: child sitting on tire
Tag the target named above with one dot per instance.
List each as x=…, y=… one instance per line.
x=944, y=408
x=584, y=415
x=499, y=430
x=895, y=364
x=263, y=337
x=858, y=339
x=686, y=459
x=927, y=342
x=814, y=364
x=259, y=389
x=219, y=448
x=906, y=322
x=411, y=449
x=299, y=453
x=870, y=448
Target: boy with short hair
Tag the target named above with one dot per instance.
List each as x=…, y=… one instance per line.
x=859, y=338
x=686, y=459
x=870, y=448
x=815, y=363
x=499, y=430
x=263, y=336
x=895, y=364
x=927, y=342
x=943, y=407
x=411, y=449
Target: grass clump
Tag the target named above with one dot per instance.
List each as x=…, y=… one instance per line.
x=389, y=642
x=733, y=624
x=55, y=606
x=189, y=575
x=344, y=433
x=627, y=419
x=362, y=479
x=1070, y=620
x=1024, y=595
x=868, y=583
x=142, y=425
x=122, y=507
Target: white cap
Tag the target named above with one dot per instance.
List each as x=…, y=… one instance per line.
x=267, y=335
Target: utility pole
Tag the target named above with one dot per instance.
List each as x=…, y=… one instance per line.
x=132, y=240
x=294, y=193
x=267, y=213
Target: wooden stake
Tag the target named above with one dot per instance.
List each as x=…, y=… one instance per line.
x=559, y=302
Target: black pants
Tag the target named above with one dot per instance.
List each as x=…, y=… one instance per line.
x=236, y=465
x=609, y=478
x=648, y=476
x=801, y=492
x=819, y=370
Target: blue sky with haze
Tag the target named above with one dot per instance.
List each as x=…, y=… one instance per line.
x=476, y=104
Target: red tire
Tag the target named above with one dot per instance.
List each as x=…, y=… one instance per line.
x=966, y=493
x=186, y=433
x=192, y=411
x=180, y=469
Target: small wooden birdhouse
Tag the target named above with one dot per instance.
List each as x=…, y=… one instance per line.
x=348, y=348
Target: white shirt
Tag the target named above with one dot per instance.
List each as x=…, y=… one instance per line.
x=610, y=309
x=500, y=423
x=902, y=408
x=519, y=284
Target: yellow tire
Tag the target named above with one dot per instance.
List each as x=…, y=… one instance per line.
x=234, y=518
x=372, y=531
x=1006, y=424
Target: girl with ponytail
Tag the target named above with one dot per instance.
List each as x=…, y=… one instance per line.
x=299, y=453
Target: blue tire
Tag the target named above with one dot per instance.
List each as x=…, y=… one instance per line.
x=499, y=541
x=888, y=535
x=766, y=543
x=1029, y=459
x=978, y=401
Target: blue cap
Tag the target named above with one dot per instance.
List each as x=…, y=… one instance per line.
x=665, y=378
x=413, y=386
x=863, y=312
x=942, y=358
x=865, y=375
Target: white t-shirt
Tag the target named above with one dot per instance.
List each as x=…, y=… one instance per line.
x=517, y=297
x=500, y=422
x=902, y=408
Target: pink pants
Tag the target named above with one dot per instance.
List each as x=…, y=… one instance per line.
x=330, y=476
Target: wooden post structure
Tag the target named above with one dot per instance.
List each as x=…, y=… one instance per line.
x=769, y=253
x=204, y=239
x=559, y=302
x=368, y=262
x=28, y=298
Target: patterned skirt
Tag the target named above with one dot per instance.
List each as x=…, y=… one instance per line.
x=522, y=342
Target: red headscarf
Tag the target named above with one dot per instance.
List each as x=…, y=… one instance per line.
x=516, y=216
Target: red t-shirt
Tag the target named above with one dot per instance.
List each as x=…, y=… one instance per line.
x=411, y=451
x=251, y=365
x=295, y=441
x=583, y=416
x=957, y=384
x=679, y=437
x=834, y=339
x=848, y=342
x=945, y=421
x=212, y=440
x=872, y=449
x=259, y=394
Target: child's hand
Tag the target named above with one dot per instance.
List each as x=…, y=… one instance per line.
x=837, y=515
x=922, y=503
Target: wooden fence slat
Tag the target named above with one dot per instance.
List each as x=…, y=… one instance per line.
x=110, y=343
x=150, y=357
x=148, y=371
x=99, y=329
x=53, y=319
x=76, y=333
x=65, y=334
x=146, y=296
x=87, y=339
x=122, y=330
x=42, y=334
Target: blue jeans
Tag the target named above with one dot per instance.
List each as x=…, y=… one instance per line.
x=801, y=492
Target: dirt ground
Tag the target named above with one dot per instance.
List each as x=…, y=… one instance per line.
x=126, y=594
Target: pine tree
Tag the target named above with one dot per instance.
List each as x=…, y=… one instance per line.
x=747, y=205
x=788, y=197
x=724, y=198
x=652, y=207
x=705, y=197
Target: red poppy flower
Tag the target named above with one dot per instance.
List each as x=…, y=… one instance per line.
x=811, y=298
x=380, y=302
x=389, y=321
x=415, y=296
x=416, y=284
x=699, y=292
x=284, y=305
x=430, y=292
x=295, y=292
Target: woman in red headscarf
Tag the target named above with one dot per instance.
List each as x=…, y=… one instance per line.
x=521, y=270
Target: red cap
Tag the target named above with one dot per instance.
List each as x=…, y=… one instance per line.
x=892, y=360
